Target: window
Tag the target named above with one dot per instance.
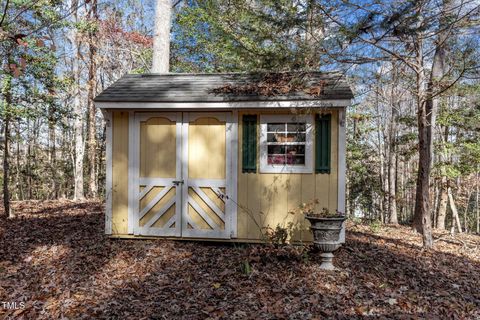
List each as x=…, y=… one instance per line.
x=286, y=143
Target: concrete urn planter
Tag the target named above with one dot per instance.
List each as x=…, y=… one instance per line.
x=326, y=237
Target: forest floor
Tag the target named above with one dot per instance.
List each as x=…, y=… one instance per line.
x=57, y=262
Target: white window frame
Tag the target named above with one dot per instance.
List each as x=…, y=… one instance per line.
x=285, y=168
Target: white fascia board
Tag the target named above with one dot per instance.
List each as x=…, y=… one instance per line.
x=339, y=103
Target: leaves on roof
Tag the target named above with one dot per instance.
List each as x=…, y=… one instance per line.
x=272, y=84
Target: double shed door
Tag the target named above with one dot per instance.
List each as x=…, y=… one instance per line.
x=183, y=168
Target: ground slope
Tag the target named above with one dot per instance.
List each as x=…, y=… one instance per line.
x=55, y=258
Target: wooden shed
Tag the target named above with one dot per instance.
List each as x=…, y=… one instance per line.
x=222, y=156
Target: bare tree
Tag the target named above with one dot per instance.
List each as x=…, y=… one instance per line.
x=77, y=109
x=7, y=94
x=161, y=37
x=420, y=28
x=91, y=91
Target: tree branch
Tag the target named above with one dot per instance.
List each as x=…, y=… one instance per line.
x=4, y=12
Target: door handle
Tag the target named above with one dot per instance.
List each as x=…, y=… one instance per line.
x=177, y=182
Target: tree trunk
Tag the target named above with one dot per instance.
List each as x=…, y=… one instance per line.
x=161, y=37
x=6, y=172
x=7, y=95
x=465, y=213
x=456, y=218
x=381, y=156
x=79, y=150
x=392, y=166
x=91, y=87
x=427, y=110
x=19, y=178
x=392, y=197
x=52, y=154
x=477, y=204
x=314, y=32
x=78, y=114
x=30, y=146
x=422, y=216
x=439, y=66
x=436, y=195
x=442, y=205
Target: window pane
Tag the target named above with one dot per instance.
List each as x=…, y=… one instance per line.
x=275, y=127
x=296, y=127
x=295, y=160
x=299, y=160
x=276, y=159
x=296, y=149
x=274, y=137
x=295, y=137
x=275, y=149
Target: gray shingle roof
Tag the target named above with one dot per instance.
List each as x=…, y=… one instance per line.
x=226, y=87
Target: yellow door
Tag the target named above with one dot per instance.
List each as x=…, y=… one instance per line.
x=182, y=169
x=158, y=184
x=206, y=155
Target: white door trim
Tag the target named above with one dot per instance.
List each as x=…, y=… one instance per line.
x=184, y=174
x=230, y=214
x=135, y=181
x=182, y=198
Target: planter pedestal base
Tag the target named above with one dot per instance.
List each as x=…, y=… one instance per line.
x=327, y=261
x=326, y=237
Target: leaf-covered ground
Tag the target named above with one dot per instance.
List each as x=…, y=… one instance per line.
x=55, y=258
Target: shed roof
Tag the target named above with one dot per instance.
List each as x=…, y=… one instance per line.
x=227, y=87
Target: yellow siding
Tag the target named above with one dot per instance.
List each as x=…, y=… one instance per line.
x=119, y=172
x=265, y=200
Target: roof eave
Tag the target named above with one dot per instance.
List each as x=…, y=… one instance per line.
x=326, y=103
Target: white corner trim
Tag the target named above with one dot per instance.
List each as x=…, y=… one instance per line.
x=333, y=103
x=107, y=115
x=228, y=174
x=184, y=174
x=264, y=166
x=342, y=153
x=178, y=173
x=132, y=167
x=234, y=170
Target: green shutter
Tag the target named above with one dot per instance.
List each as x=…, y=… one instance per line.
x=322, y=143
x=249, y=143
